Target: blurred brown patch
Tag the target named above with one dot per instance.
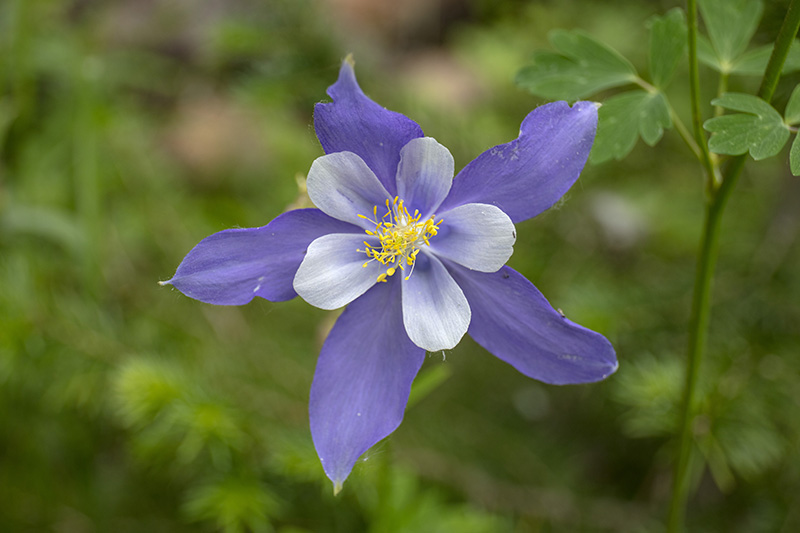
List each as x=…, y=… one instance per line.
x=441, y=81
x=396, y=23
x=210, y=134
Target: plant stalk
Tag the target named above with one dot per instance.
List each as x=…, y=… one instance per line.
x=709, y=248
x=694, y=93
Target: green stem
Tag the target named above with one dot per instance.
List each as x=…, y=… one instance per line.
x=783, y=43
x=709, y=247
x=694, y=90
x=722, y=88
x=698, y=332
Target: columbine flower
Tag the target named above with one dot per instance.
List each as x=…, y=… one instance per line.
x=416, y=255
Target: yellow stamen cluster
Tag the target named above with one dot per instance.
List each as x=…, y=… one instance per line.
x=400, y=234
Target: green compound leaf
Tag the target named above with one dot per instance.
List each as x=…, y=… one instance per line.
x=581, y=67
x=626, y=117
x=759, y=129
x=667, y=45
x=792, y=114
x=794, y=156
x=730, y=25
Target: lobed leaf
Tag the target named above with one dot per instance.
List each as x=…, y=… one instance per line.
x=581, y=67
x=792, y=113
x=667, y=45
x=730, y=25
x=747, y=103
x=759, y=129
x=626, y=117
x=794, y=157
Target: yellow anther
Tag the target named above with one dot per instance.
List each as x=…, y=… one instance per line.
x=400, y=236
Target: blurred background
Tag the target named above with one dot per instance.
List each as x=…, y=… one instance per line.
x=131, y=129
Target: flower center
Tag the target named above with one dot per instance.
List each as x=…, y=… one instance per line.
x=400, y=234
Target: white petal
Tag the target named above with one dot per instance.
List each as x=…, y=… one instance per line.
x=332, y=274
x=478, y=236
x=343, y=187
x=435, y=311
x=424, y=175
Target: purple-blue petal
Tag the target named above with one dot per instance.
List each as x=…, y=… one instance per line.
x=233, y=266
x=354, y=123
x=363, y=379
x=513, y=321
x=530, y=174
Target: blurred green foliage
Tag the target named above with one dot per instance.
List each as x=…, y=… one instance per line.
x=130, y=130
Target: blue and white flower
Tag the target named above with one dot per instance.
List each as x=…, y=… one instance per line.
x=416, y=255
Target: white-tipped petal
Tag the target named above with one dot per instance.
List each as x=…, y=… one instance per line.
x=435, y=311
x=332, y=274
x=343, y=187
x=425, y=174
x=478, y=236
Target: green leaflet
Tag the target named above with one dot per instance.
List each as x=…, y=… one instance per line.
x=792, y=114
x=581, y=67
x=667, y=45
x=626, y=117
x=759, y=129
x=707, y=55
x=794, y=157
x=751, y=63
x=730, y=25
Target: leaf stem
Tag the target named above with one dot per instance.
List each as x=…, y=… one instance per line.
x=685, y=134
x=709, y=248
x=644, y=85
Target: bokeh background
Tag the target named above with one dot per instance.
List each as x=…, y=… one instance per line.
x=131, y=129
